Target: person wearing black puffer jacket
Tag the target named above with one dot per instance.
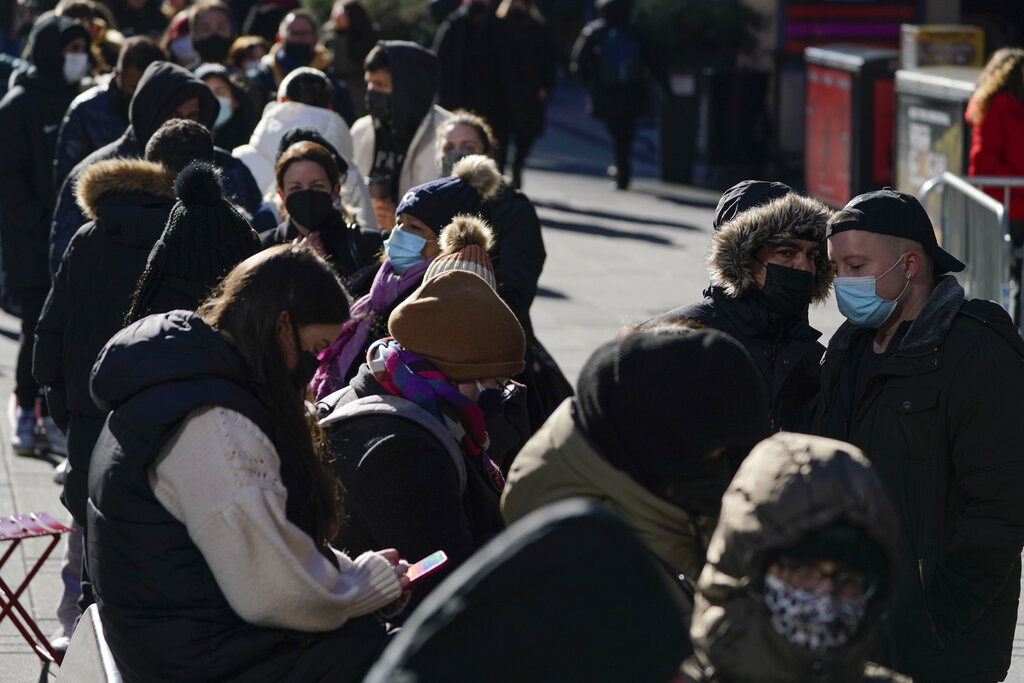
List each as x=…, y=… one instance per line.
x=165, y=91
x=129, y=201
x=30, y=115
x=210, y=510
x=768, y=264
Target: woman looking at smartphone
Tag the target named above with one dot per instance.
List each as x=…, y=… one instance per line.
x=210, y=508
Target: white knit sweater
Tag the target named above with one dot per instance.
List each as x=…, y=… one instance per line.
x=220, y=477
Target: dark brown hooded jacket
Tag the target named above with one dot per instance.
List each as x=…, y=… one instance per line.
x=789, y=486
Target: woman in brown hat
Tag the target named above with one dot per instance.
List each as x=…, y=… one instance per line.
x=409, y=438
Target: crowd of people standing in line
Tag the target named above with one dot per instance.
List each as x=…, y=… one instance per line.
x=292, y=348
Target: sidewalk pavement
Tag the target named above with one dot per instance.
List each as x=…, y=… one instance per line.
x=26, y=485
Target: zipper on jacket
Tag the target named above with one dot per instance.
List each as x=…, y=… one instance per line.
x=927, y=609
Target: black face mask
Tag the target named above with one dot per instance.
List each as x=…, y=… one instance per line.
x=507, y=422
x=309, y=208
x=378, y=104
x=306, y=366
x=787, y=291
x=299, y=52
x=213, y=48
x=700, y=489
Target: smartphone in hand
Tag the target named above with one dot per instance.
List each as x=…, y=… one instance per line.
x=425, y=567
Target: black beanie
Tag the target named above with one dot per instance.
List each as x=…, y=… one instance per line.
x=746, y=195
x=205, y=235
x=652, y=403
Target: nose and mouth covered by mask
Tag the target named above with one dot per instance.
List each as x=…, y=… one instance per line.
x=305, y=366
x=858, y=300
x=309, y=208
x=76, y=65
x=787, y=291
x=403, y=249
x=819, y=621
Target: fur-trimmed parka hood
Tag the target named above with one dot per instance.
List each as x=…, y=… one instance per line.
x=122, y=176
x=737, y=241
x=129, y=199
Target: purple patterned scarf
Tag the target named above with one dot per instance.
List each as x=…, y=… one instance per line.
x=415, y=379
x=337, y=358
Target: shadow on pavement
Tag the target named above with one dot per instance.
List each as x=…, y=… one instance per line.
x=559, y=206
x=550, y=293
x=45, y=456
x=602, y=232
x=683, y=201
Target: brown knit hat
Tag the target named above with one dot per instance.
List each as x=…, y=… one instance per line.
x=464, y=245
x=458, y=323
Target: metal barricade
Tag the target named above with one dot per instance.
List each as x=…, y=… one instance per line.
x=975, y=228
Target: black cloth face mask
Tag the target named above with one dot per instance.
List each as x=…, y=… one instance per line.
x=378, y=104
x=305, y=366
x=299, y=52
x=309, y=208
x=213, y=48
x=787, y=291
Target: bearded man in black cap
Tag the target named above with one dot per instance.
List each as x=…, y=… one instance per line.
x=767, y=264
x=931, y=387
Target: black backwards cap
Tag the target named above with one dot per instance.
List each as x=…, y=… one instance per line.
x=888, y=212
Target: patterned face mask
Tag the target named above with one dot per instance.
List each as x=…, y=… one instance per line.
x=816, y=620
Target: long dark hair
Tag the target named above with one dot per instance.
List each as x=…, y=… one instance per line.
x=246, y=305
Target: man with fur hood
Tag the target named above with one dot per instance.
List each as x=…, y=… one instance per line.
x=800, y=569
x=129, y=201
x=768, y=263
x=165, y=91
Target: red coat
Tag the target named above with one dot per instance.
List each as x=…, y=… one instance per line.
x=997, y=146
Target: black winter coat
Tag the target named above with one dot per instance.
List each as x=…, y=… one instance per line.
x=351, y=250
x=162, y=89
x=518, y=254
x=612, y=100
x=400, y=490
x=529, y=61
x=95, y=118
x=129, y=201
x=30, y=116
x=787, y=356
x=164, y=615
x=469, y=52
x=941, y=422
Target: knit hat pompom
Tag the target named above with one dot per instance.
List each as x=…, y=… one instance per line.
x=205, y=235
x=199, y=184
x=474, y=180
x=464, y=231
x=464, y=244
x=480, y=172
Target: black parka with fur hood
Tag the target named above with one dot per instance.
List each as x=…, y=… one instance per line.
x=787, y=352
x=788, y=487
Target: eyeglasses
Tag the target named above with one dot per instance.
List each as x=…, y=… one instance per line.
x=808, y=574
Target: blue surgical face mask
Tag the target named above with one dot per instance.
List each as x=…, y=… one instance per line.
x=403, y=249
x=859, y=301
x=224, y=113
